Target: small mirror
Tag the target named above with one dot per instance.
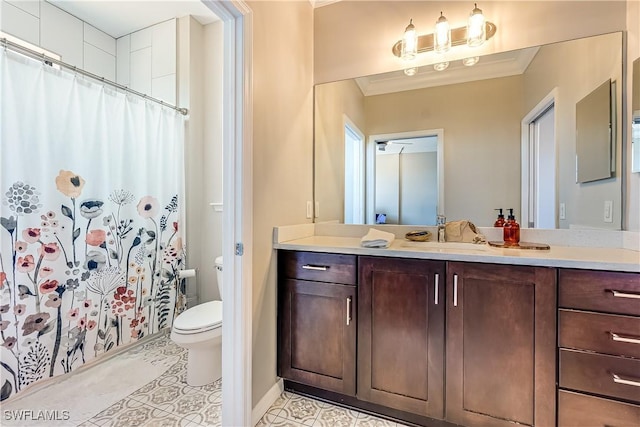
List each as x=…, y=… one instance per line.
x=635, y=120
x=593, y=135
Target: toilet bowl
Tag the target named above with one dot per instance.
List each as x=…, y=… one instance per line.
x=199, y=330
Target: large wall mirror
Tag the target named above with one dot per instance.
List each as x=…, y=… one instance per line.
x=468, y=140
x=635, y=120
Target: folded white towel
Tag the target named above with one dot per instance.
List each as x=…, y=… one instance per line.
x=377, y=239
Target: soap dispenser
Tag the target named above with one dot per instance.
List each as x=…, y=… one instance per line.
x=500, y=221
x=511, y=230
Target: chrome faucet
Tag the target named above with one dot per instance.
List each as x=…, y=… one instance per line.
x=440, y=222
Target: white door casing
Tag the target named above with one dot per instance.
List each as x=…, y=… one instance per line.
x=531, y=165
x=237, y=213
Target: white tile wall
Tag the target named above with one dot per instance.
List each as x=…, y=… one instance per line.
x=99, y=39
x=141, y=39
x=99, y=62
x=78, y=43
x=140, y=77
x=61, y=33
x=163, y=44
x=123, y=53
x=19, y=23
x=32, y=7
x=164, y=88
x=146, y=60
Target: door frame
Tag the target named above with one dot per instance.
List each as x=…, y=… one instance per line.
x=526, y=145
x=237, y=214
x=370, y=160
x=347, y=122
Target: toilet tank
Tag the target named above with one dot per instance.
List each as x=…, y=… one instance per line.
x=218, y=262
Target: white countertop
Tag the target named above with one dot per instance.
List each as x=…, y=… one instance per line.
x=594, y=258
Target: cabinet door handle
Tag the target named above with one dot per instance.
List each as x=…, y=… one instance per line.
x=624, y=338
x=455, y=290
x=348, y=310
x=619, y=379
x=435, y=296
x=619, y=294
x=315, y=267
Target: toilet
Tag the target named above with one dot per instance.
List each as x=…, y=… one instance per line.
x=199, y=330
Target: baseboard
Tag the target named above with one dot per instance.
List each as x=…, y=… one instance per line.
x=267, y=400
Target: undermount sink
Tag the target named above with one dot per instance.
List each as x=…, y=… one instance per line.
x=444, y=245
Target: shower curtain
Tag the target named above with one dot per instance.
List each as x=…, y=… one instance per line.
x=91, y=186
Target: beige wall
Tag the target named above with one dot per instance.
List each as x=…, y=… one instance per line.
x=374, y=26
x=632, y=187
x=473, y=188
x=211, y=178
x=570, y=67
x=332, y=102
x=282, y=156
x=200, y=90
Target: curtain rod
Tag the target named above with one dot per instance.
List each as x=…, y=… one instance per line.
x=7, y=44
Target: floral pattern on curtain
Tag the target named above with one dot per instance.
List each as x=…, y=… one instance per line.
x=90, y=237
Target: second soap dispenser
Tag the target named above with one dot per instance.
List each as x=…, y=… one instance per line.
x=500, y=221
x=511, y=230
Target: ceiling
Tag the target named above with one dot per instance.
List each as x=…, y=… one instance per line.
x=120, y=17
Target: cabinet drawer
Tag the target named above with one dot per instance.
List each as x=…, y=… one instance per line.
x=579, y=410
x=596, y=373
x=604, y=333
x=319, y=267
x=610, y=292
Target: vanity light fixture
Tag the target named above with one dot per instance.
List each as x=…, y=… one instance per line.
x=409, y=48
x=474, y=34
x=442, y=35
x=476, y=28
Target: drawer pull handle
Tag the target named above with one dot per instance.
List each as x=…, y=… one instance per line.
x=315, y=267
x=435, y=296
x=626, y=381
x=455, y=290
x=619, y=294
x=624, y=338
x=348, y=310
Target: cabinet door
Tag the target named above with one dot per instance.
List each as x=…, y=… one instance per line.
x=318, y=334
x=501, y=323
x=401, y=334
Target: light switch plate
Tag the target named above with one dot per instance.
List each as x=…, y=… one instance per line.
x=608, y=211
x=309, y=209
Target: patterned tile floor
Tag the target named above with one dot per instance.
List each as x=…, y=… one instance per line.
x=293, y=410
x=168, y=401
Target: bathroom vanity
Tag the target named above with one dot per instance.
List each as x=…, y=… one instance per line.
x=462, y=336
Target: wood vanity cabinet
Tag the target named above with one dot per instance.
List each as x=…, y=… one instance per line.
x=401, y=334
x=500, y=345
x=317, y=320
x=599, y=354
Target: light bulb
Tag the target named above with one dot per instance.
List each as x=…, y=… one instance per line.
x=441, y=66
x=409, y=42
x=411, y=71
x=442, y=35
x=470, y=61
x=476, y=28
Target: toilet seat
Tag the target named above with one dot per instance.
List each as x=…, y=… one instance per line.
x=201, y=318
